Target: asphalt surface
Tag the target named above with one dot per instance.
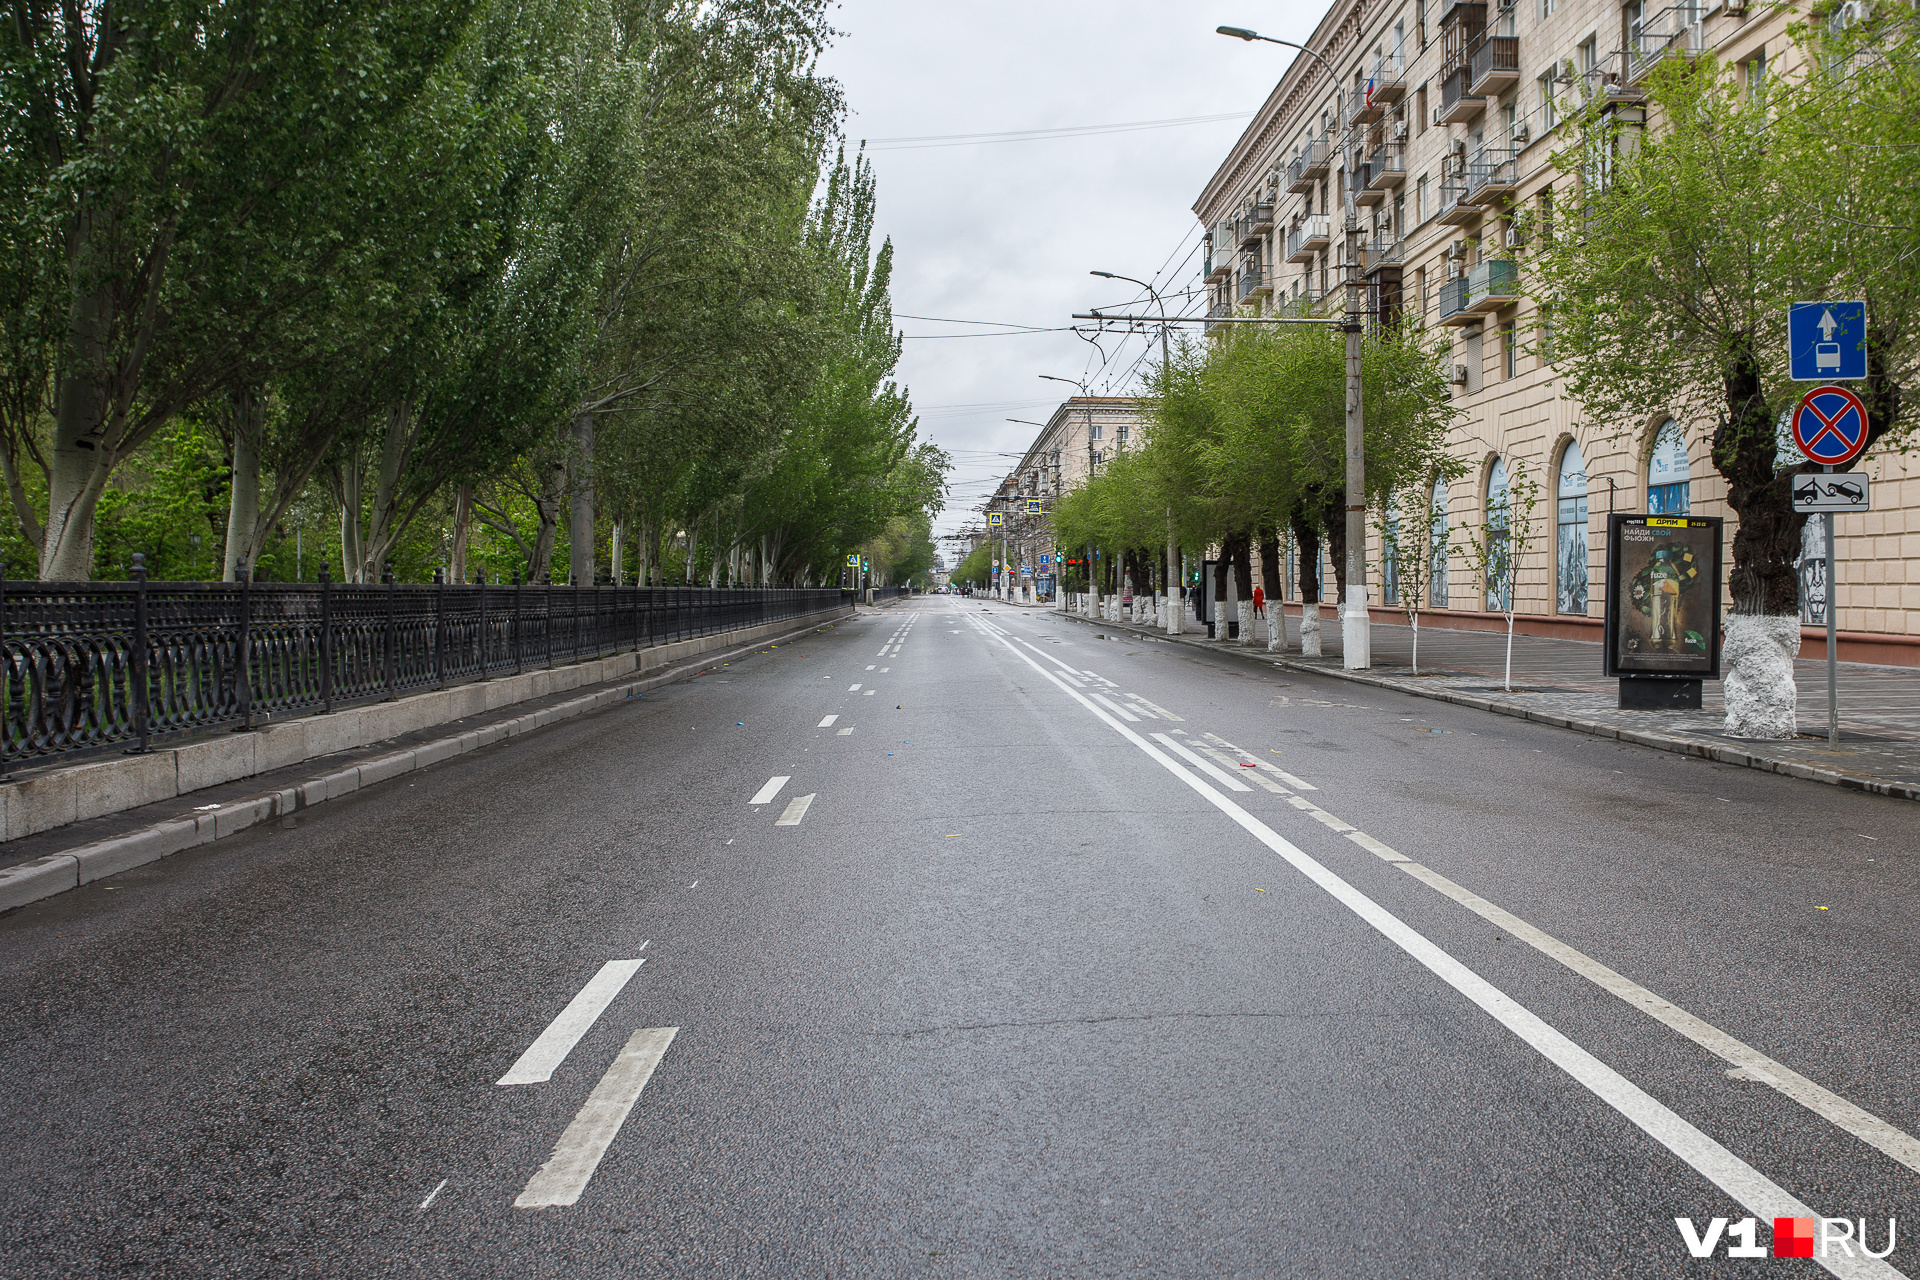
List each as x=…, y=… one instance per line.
x=1024, y=992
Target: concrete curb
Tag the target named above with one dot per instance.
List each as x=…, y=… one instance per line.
x=1719, y=752
x=56, y=873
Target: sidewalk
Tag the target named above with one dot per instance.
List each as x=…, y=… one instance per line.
x=1559, y=682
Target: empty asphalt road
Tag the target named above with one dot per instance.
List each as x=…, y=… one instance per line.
x=957, y=940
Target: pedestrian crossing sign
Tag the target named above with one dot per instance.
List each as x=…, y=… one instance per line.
x=1033, y=506
x=996, y=518
x=853, y=562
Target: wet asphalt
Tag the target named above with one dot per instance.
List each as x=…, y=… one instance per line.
x=1011, y=999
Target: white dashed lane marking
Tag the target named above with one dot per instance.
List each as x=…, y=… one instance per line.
x=772, y=789
x=796, y=810
x=578, y=1153
x=544, y=1055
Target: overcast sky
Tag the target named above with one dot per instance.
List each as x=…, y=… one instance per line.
x=1007, y=231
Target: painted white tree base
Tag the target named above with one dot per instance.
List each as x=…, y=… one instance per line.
x=1310, y=629
x=1757, y=675
x=1276, y=628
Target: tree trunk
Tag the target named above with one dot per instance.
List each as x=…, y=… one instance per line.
x=76, y=477
x=1271, y=582
x=1307, y=539
x=347, y=490
x=462, y=529
x=616, y=556
x=547, y=507
x=249, y=411
x=580, y=527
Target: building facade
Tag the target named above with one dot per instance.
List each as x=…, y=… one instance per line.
x=1405, y=159
x=1076, y=441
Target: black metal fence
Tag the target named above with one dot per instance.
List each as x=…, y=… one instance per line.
x=94, y=664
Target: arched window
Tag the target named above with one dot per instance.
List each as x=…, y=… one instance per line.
x=1571, y=546
x=1667, y=472
x=1390, y=555
x=1437, y=576
x=1499, y=567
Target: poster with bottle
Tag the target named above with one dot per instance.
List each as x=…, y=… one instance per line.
x=1663, y=596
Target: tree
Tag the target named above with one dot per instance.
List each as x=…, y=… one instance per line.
x=1671, y=291
x=1499, y=547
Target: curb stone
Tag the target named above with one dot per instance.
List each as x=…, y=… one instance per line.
x=56, y=873
x=1720, y=753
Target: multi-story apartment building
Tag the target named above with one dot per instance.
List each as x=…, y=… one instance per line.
x=1075, y=443
x=1405, y=158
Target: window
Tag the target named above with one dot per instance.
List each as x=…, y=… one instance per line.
x=1756, y=73
x=1420, y=26
x=1437, y=576
x=1420, y=111
x=1546, y=216
x=1570, y=547
x=1549, y=115
x=1546, y=333
x=1400, y=45
x=1420, y=200
x=1499, y=571
x=1509, y=349
x=1093, y=432
x=1587, y=57
x=1120, y=433
x=1097, y=459
x=1667, y=472
x=1546, y=9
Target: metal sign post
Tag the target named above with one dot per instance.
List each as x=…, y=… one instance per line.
x=1830, y=428
x=1833, y=642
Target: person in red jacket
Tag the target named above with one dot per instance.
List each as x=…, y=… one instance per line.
x=1259, y=600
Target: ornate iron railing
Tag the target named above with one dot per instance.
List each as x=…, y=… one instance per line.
x=89, y=665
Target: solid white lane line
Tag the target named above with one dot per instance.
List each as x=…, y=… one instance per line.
x=1116, y=708
x=432, y=1196
x=1753, y=1190
x=772, y=789
x=564, y=1176
x=557, y=1041
x=796, y=810
x=828, y=722
x=1218, y=774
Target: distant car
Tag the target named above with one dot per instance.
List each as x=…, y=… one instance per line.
x=1826, y=355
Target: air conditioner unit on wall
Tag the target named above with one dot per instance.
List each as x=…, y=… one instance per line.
x=1513, y=238
x=1521, y=134
x=1459, y=376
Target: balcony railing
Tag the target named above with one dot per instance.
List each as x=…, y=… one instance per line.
x=1308, y=167
x=1383, y=255
x=1308, y=238
x=1453, y=302
x=1494, y=65
x=1217, y=311
x=1457, y=105
x=1492, y=285
x=1674, y=32
x=1389, y=79
x=1490, y=175
x=1454, y=211
x=1387, y=166
x=1254, y=223
x=1249, y=281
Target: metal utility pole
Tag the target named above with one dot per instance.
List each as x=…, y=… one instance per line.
x=1093, y=590
x=1175, y=619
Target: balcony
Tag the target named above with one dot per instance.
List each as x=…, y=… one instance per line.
x=1255, y=223
x=1389, y=80
x=1308, y=238
x=1674, y=32
x=1453, y=303
x=1359, y=185
x=1365, y=111
x=1455, y=212
x=1493, y=285
x=1308, y=167
x=1251, y=283
x=1387, y=167
x=1457, y=105
x=1490, y=175
x=1383, y=255
x=1494, y=66
x=1220, y=252
x=1217, y=311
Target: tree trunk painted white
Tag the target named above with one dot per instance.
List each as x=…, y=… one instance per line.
x=580, y=526
x=616, y=555
x=1757, y=680
x=1309, y=628
x=1276, y=627
x=1508, y=685
x=243, y=501
x=1224, y=609
x=1246, y=624
x=1416, y=644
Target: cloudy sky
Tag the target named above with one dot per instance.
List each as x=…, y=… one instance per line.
x=1006, y=232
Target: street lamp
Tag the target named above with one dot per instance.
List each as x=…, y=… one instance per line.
x=1355, y=626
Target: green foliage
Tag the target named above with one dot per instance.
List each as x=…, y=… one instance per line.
x=977, y=569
